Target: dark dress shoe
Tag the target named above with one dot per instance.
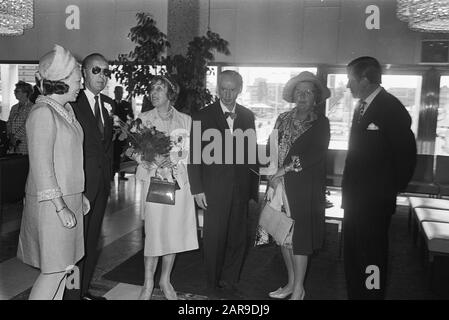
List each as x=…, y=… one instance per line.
x=213, y=293
x=89, y=296
x=230, y=291
x=227, y=286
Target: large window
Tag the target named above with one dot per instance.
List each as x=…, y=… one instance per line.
x=10, y=74
x=340, y=107
x=442, y=140
x=262, y=93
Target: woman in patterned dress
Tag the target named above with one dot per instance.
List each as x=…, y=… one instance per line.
x=303, y=138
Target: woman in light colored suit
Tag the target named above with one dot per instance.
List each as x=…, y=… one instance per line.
x=51, y=234
x=169, y=229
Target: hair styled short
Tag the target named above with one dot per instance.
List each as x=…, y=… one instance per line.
x=237, y=77
x=25, y=88
x=91, y=57
x=366, y=67
x=170, y=84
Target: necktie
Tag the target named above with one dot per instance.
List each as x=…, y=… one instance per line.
x=362, y=107
x=230, y=114
x=98, y=116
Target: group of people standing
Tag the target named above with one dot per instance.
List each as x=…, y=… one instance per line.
x=69, y=134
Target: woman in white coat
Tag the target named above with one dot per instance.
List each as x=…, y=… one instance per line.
x=169, y=229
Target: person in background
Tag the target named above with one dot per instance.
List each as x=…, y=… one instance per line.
x=51, y=232
x=36, y=93
x=124, y=110
x=380, y=162
x=303, y=139
x=18, y=116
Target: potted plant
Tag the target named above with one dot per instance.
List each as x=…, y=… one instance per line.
x=135, y=69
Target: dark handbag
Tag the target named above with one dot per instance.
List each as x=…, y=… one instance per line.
x=162, y=191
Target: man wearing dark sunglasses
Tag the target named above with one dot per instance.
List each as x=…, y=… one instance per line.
x=91, y=110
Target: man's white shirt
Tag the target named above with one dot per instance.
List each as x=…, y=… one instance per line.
x=91, y=98
x=229, y=120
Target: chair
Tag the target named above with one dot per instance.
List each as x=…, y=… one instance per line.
x=431, y=203
x=426, y=214
x=436, y=236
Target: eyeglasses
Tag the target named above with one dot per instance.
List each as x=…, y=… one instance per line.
x=305, y=93
x=106, y=72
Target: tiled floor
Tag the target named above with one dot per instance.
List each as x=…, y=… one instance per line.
x=122, y=238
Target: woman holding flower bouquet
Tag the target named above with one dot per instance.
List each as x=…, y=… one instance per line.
x=169, y=229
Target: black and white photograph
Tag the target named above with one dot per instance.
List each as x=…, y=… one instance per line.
x=232, y=154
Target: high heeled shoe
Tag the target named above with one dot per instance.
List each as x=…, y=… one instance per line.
x=279, y=294
x=301, y=297
x=169, y=293
x=145, y=293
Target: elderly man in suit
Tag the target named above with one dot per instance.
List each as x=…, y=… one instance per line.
x=222, y=188
x=379, y=164
x=91, y=110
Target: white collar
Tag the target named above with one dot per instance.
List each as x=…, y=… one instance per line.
x=90, y=95
x=371, y=97
x=225, y=109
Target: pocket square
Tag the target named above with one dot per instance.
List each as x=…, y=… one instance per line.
x=372, y=126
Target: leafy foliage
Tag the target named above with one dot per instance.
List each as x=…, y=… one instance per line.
x=135, y=70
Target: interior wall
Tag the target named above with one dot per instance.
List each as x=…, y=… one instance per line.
x=103, y=27
x=259, y=31
x=310, y=31
x=183, y=24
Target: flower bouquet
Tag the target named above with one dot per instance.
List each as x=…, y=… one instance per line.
x=144, y=144
x=150, y=148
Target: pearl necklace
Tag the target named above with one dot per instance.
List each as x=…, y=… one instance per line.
x=68, y=115
x=166, y=115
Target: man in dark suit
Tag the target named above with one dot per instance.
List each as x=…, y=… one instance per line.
x=224, y=187
x=91, y=110
x=380, y=162
x=124, y=111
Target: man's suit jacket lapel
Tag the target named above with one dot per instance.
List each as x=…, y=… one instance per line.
x=370, y=113
x=239, y=122
x=107, y=122
x=86, y=116
x=219, y=117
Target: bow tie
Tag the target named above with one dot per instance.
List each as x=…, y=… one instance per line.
x=230, y=114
